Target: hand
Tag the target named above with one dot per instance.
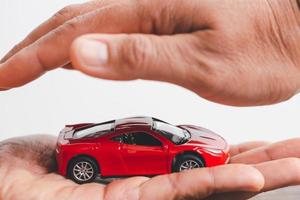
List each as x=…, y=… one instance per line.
x=28, y=172
x=231, y=52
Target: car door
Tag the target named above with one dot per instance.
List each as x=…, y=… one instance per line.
x=144, y=154
x=109, y=155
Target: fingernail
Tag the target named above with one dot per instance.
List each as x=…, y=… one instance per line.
x=93, y=53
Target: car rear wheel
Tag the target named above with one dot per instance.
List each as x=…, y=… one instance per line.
x=83, y=170
x=187, y=162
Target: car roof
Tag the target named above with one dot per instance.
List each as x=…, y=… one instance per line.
x=138, y=121
x=133, y=121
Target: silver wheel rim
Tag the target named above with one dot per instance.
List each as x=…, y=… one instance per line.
x=83, y=171
x=189, y=164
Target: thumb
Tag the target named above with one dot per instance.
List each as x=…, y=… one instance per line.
x=134, y=56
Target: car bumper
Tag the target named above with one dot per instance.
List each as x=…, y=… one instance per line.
x=60, y=163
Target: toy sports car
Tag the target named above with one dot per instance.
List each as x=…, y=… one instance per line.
x=136, y=146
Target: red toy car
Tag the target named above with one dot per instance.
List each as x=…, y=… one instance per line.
x=136, y=146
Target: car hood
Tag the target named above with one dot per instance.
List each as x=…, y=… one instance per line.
x=204, y=138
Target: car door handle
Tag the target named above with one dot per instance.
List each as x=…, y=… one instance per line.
x=131, y=151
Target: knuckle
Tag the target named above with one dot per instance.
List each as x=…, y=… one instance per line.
x=211, y=182
x=72, y=25
x=15, y=49
x=173, y=180
x=269, y=153
x=66, y=11
x=41, y=62
x=136, y=54
x=163, y=23
x=63, y=14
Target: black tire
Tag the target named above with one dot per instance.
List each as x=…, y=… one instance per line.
x=186, y=158
x=79, y=163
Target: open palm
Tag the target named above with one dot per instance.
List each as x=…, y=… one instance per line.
x=28, y=172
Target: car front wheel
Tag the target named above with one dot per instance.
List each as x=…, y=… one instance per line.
x=187, y=162
x=83, y=170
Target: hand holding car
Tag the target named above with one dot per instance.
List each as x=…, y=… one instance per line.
x=32, y=158
x=237, y=53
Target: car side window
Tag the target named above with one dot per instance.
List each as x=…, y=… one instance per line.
x=124, y=138
x=144, y=139
x=137, y=138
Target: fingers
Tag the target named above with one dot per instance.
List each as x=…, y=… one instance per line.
x=280, y=173
x=52, y=50
x=55, y=21
x=123, y=57
x=193, y=184
x=277, y=174
x=279, y=150
x=241, y=148
x=200, y=183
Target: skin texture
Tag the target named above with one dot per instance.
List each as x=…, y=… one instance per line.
x=242, y=52
x=29, y=162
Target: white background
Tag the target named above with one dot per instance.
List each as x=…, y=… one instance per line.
x=63, y=97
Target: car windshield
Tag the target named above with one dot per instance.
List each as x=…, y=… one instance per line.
x=91, y=131
x=173, y=133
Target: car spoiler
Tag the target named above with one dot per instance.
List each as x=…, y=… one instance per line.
x=69, y=130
